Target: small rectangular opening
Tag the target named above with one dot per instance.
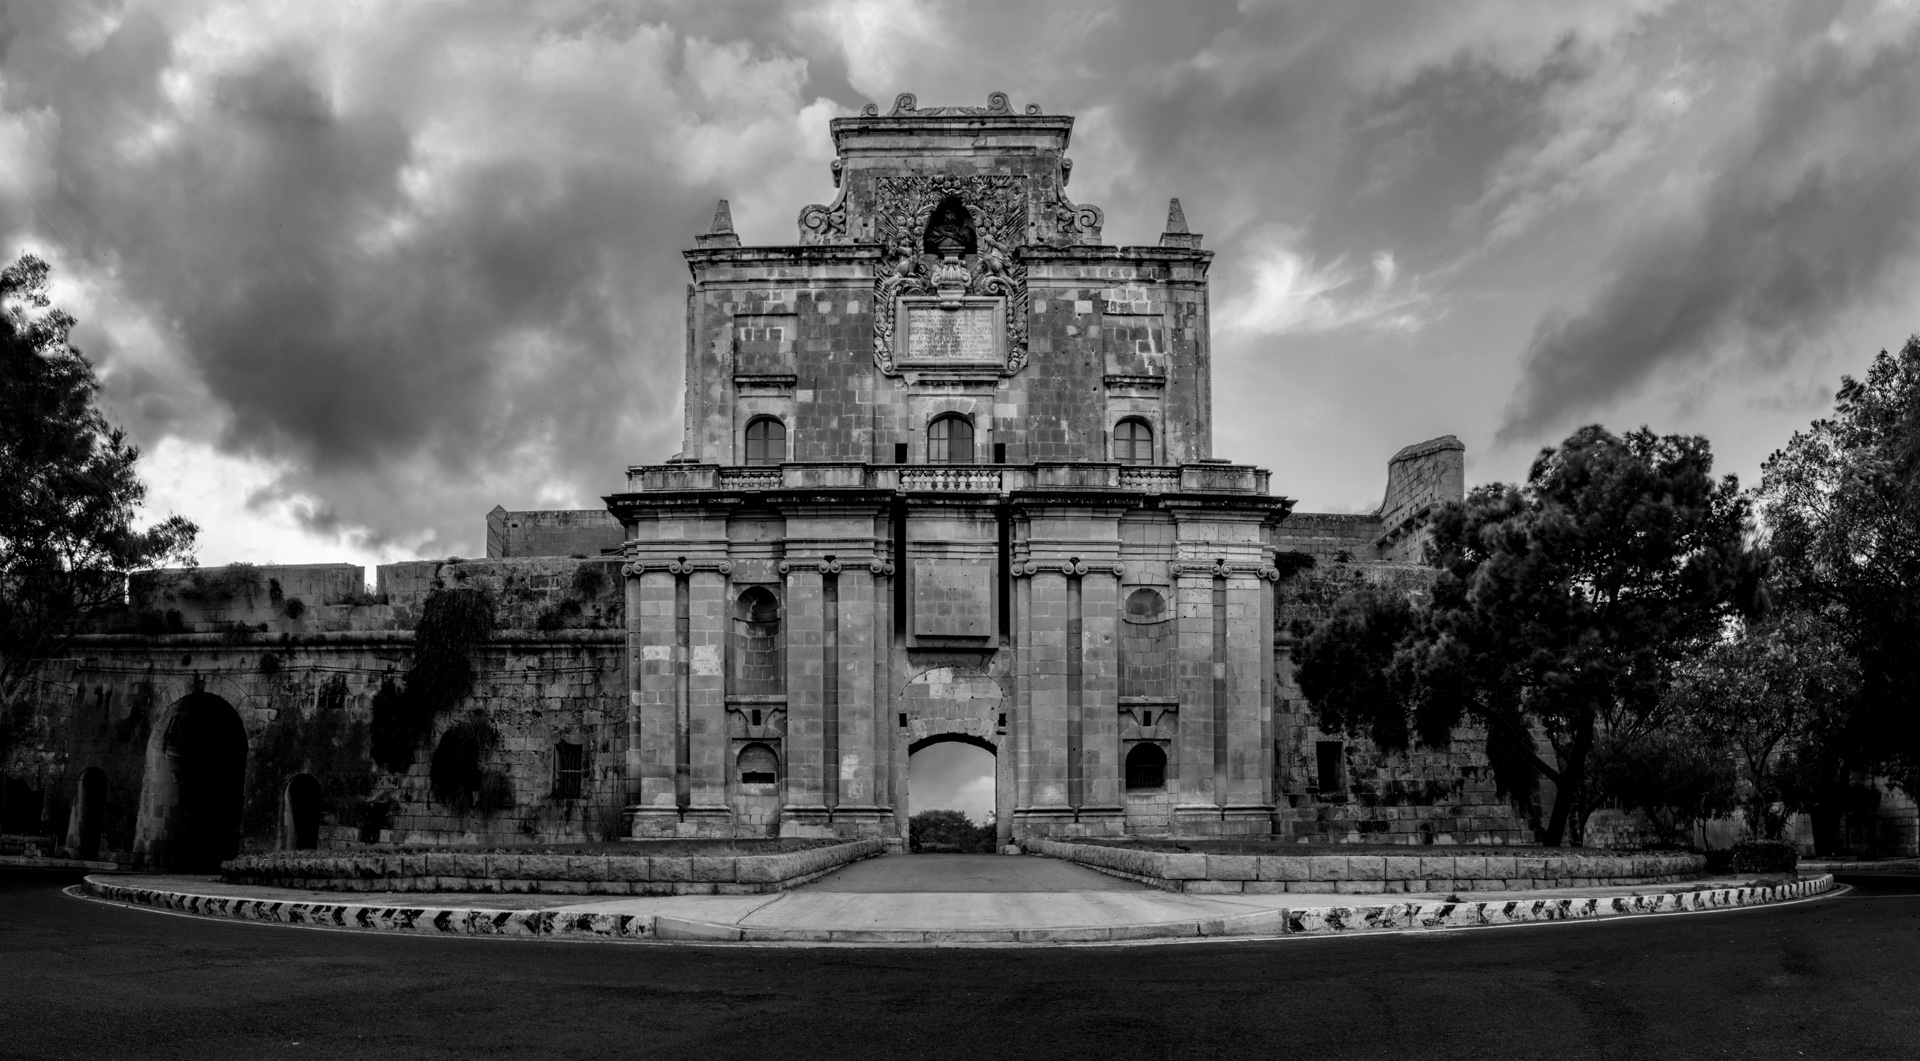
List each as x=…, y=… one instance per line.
x=756, y=716
x=1003, y=720
x=903, y=718
x=569, y=770
x=757, y=777
x=999, y=453
x=1332, y=758
x=899, y=453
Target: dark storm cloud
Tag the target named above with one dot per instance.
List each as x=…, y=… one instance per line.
x=1815, y=213
x=395, y=311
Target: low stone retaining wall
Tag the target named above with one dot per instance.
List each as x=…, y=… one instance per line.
x=1370, y=874
x=618, y=874
x=1421, y=915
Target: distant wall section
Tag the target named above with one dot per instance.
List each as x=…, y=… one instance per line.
x=552, y=532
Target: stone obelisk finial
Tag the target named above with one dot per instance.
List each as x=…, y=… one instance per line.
x=1177, y=234
x=721, y=234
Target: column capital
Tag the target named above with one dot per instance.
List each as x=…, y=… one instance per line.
x=1223, y=569
x=677, y=566
x=1068, y=568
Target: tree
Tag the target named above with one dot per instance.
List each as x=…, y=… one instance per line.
x=1773, y=689
x=68, y=488
x=1560, y=608
x=1841, y=503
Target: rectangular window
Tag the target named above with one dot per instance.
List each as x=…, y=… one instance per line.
x=899, y=453
x=1332, y=756
x=999, y=453
x=569, y=770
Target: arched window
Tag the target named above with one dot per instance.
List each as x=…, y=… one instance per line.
x=1146, y=767
x=1133, y=441
x=758, y=765
x=766, y=441
x=950, y=440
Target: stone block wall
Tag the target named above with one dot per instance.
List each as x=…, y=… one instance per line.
x=587, y=532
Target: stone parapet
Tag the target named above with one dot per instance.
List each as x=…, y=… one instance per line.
x=1370, y=874
x=547, y=874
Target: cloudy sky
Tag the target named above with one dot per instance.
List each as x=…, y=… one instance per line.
x=355, y=273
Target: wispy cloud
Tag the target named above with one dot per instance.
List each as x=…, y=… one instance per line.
x=1292, y=293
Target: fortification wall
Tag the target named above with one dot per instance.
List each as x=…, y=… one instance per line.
x=1361, y=793
x=583, y=532
x=303, y=687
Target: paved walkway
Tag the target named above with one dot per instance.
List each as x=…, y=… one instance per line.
x=938, y=898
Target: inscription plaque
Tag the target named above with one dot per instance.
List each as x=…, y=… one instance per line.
x=967, y=334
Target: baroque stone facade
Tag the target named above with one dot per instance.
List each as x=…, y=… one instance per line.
x=947, y=475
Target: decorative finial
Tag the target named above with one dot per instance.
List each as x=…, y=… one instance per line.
x=721, y=234
x=1177, y=234
x=1176, y=217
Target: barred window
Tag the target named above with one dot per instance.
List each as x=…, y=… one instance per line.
x=569, y=770
x=766, y=441
x=758, y=765
x=950, y=440
x=1146, y=767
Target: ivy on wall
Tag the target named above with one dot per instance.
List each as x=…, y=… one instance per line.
x=329, y=744
x=459, y=776
x=453, y=620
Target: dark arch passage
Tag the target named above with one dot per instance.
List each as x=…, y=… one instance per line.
x=953, y=771
x=207, y=748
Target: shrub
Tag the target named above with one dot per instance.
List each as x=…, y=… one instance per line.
x=294, y=607
x=458, y=775
x=948, y=831
x=589, y=580
x=1764, y=856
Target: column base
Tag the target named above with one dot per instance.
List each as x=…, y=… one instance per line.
x=1041, y=821
x=862, y=821
x=810, y=822
x=1106, y=820
x=652, y=823
x=1247, y=819
x=706, y=821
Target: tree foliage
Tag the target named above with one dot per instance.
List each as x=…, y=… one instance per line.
x=1780, y=685
x=453, y=621
x=1560, y=609
x=948, y=831
x=68, y=487
x=1842, y=506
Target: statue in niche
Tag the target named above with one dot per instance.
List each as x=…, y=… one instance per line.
x=950, y=231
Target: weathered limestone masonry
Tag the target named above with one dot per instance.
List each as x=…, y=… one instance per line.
x=231, y=711
x=1436, y=870
x=947, y=475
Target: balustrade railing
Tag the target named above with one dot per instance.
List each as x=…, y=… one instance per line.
x=959, y=480
x=1157, y=480
x=749, y=478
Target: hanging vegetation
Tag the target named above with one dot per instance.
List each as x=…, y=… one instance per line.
x=459, y=776
x=452, y=622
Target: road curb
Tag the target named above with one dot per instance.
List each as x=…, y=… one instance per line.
x=563, y=924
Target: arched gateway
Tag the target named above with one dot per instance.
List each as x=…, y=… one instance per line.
x=943, y=704
x=195, y=786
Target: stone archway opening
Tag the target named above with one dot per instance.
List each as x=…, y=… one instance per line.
x=303, y=812
x=955, y=772
x=92, y=813
x=204, y=763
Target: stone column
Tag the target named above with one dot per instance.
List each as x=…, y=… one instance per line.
x=653, y=750
x=708, y=812
x=805, y=810
x=1102, y=812
x=1247, y=807
x=1046, y=668
x=1196, y=809
x=857, y=812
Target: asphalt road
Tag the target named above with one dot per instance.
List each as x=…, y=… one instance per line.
x=1838, y=978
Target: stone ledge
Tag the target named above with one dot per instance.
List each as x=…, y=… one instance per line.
x=1370, y=874
x=567, y=924
x=550, y=874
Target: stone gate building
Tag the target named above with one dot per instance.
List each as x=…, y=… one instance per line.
x=947, y=475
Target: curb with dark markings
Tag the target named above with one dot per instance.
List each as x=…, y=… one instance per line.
x=583, y=925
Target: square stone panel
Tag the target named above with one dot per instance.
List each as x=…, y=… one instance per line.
x=952, y=598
